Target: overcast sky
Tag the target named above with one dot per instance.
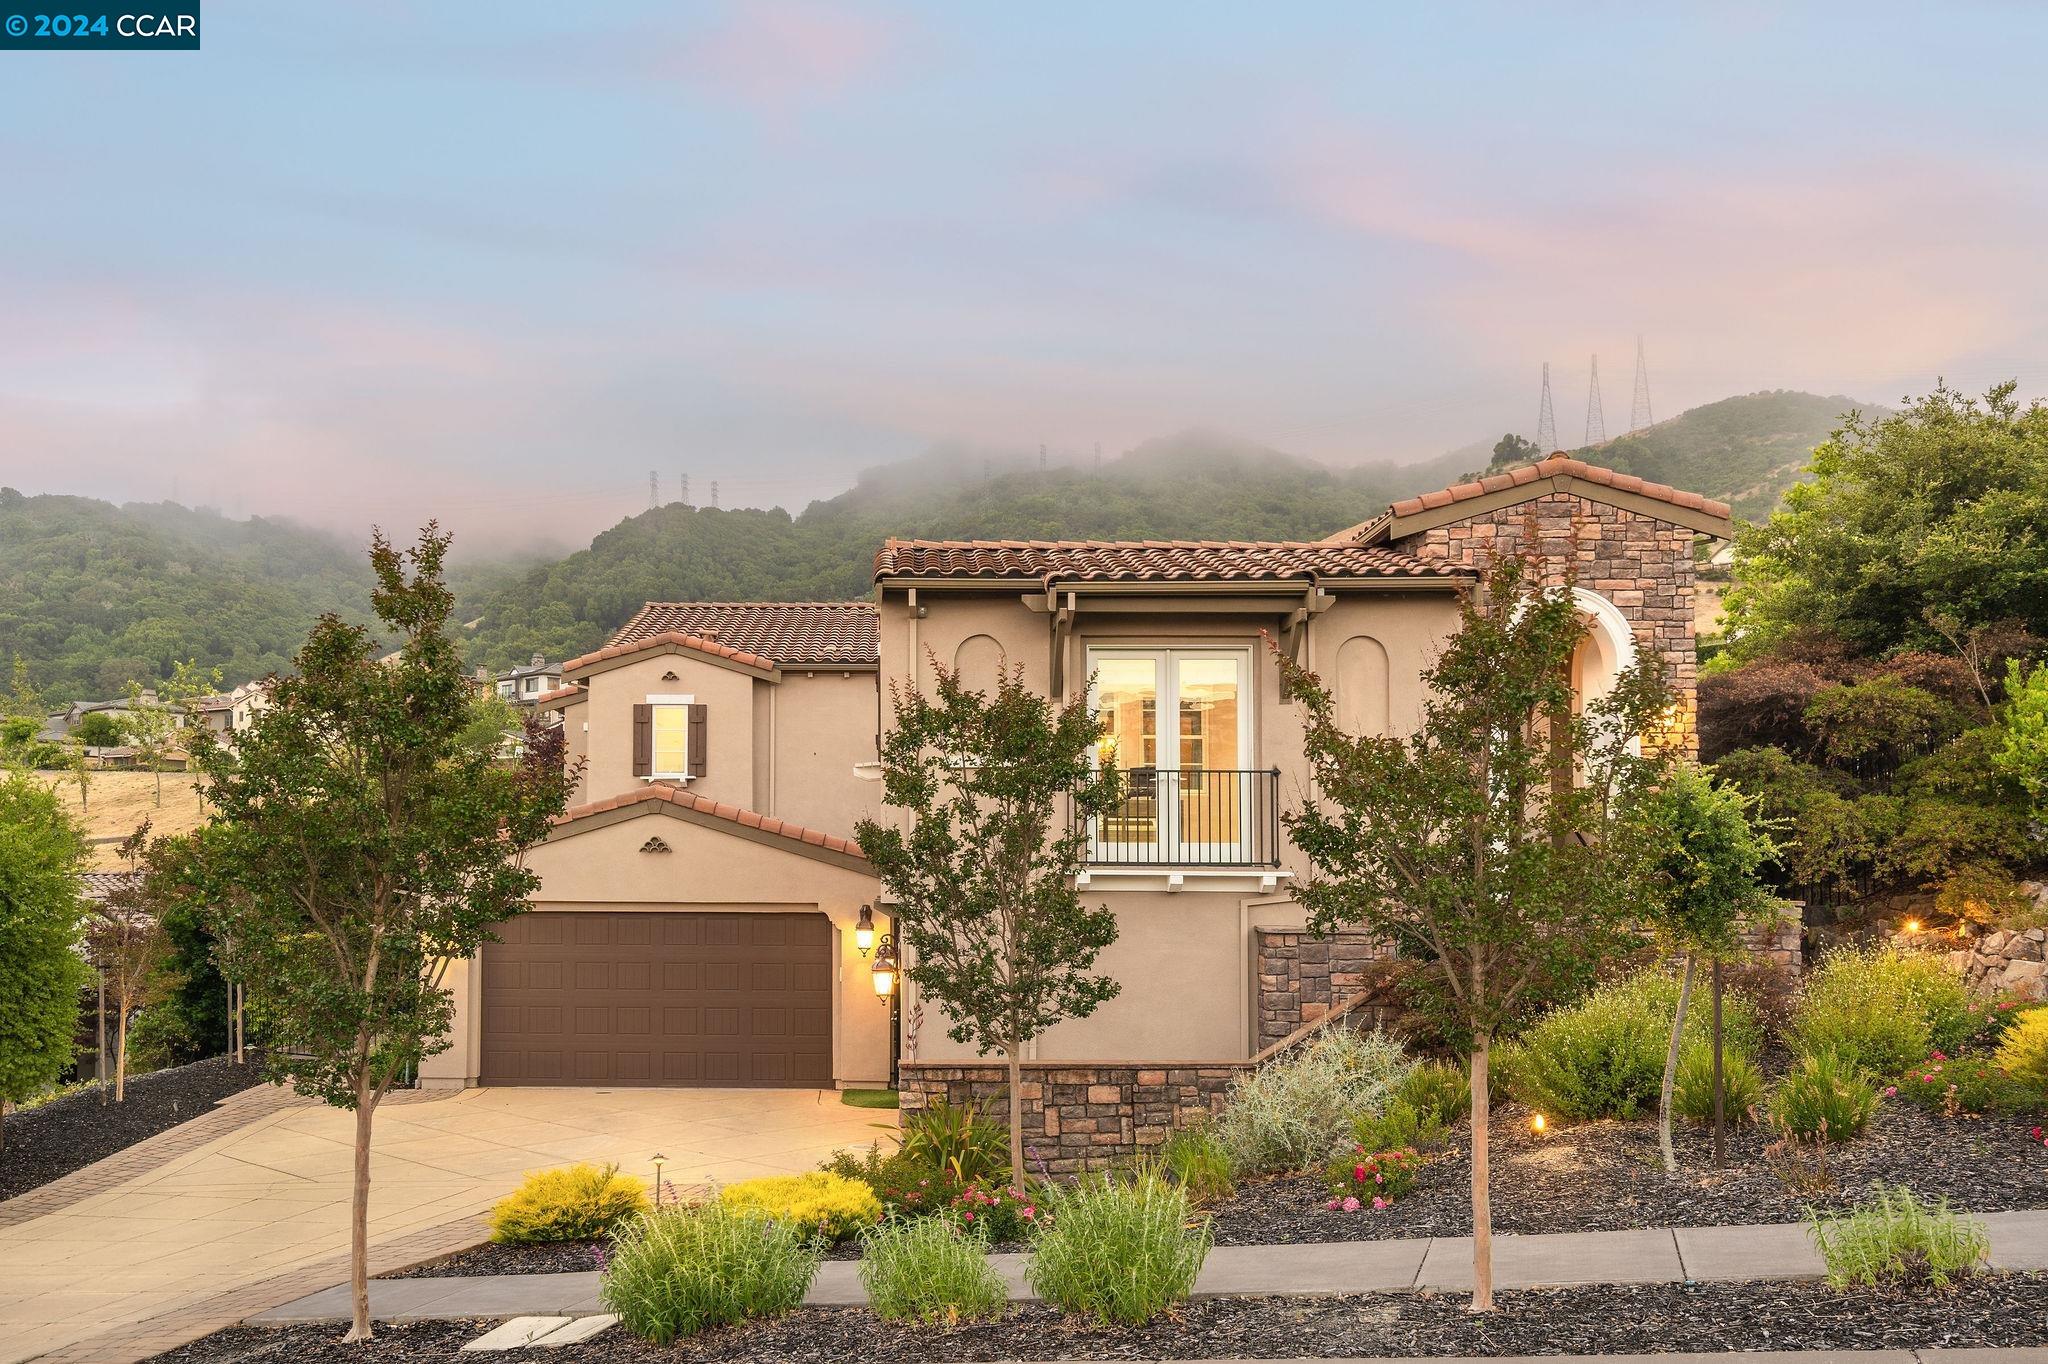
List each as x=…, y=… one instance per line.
x=373, y=261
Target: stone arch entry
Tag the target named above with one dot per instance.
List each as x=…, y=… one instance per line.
x=1607, y=651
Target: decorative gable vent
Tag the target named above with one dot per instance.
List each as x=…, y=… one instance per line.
x=670, y=677
x=655, y=845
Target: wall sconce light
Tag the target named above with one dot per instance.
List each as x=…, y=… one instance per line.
x=864, y=930
x=885, y=969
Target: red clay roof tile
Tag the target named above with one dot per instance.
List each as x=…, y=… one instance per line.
x=1554, y=467
x=789, y=632
x=685, y=800
x=1143, y=560
x=671, y=638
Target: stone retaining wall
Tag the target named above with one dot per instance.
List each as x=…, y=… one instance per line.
x=2000, y=962
x=1783, y=947
x=1302, y=977
x=1080, y=1115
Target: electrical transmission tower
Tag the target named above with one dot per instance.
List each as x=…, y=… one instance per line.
x=1639, y=411
x=1596, y=421
x=653, y=490
x=714, y=492
x=683, y=489
x=1546, y=420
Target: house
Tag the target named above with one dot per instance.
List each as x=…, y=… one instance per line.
x=524, y=686
x=698, y=905
x=231, y=712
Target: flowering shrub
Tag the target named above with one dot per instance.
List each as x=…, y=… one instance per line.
x=1006, y=1214
x=1882, y=1009
x=1963, y=1084
x=1371, y=1179
x=825, y=1204
x=1989, y=1019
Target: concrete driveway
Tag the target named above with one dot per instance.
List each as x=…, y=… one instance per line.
x=263, y=1208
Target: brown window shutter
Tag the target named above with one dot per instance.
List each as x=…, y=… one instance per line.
x=697, y=731
x=643, y=741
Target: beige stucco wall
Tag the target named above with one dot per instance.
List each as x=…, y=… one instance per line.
x=708, y=868
x=728, y=700
x=822, y=724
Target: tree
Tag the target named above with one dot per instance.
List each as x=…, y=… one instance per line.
x=1709, y=851
x=359, y=848
x=1932, y=514
x=125, y=942
x=2023, y=752
x=1512, y=449
x=984, y=873
x=23, y=699
x=41, y=855
x=1460, y=844
x=79, y=769
x=187, y=1019
x=99, y=729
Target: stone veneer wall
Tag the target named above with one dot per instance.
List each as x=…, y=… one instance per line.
x=1783, y=947
x=1080, y=1115
x=2001, y=962
x=1643, y=565
x=1302, y=977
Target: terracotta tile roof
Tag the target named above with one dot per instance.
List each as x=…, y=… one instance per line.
x=670, y=637
x=560, y=696
x=1552, y=467
x=789, y=632
x=684, y=800
x=1144, y=560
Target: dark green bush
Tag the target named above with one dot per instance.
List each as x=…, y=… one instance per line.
x=1824, y=1098
x=1742, y=1085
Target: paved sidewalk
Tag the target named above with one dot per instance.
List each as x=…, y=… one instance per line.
x=256, y=1213
x=2019, y=1241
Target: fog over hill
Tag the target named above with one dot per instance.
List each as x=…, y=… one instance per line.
x=92, y=594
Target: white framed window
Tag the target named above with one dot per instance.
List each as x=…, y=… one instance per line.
x=670, y=751
x=1178, y=723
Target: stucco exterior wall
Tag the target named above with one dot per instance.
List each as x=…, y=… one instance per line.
x=820, y=725
x=600, y=868
x=729, y=731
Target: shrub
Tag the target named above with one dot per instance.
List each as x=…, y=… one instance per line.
x=928, y=1270
x=578, y=1203
x=1894, y=1238
x=1604, y=1056
x=820, y=1203
x=1119, y=1251
x=678, y=1271
x=1372, y=1179
x=1195, y=1159
x=1294, y=1112
x=1437, y=1087
x=906, y=1185
x=958, y=1143
x=1824, y=1098
x=1000, y=1214
x=2023, y=1052
x=1964, y=1084
x=1401, y=1125
x=1742, y=1085
x=1883, y=1009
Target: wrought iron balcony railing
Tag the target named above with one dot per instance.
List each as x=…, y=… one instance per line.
x=1191, y=817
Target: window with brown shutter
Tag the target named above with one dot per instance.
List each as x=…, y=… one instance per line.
x=643, y=741
x=697, y=741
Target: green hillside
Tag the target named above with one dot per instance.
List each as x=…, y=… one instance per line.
x=1192, y=486
x=1746, y=451
x=92, y=594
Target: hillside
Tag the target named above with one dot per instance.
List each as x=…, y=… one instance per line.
x=1746, y=451
x=93, y=595
x=1191, y=486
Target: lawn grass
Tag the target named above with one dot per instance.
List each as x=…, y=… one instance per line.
x=868, y=1098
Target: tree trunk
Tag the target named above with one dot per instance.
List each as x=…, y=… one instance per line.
x=1720, y=1082
x=3, y=1123
x=101, y=1029
x=159, y=782
x=1671, y=1070
x=1010, y=1054
x=359, y=1216
x=1482, y=1193
x=121, y=1055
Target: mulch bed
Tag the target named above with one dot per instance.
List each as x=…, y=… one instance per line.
x=1986, y=1311
x=1609, y=1176
x=70, y=1133
x=554, y=1257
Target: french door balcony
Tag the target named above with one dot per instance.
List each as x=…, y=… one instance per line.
x=1191, y=817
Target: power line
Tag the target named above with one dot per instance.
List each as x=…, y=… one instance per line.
x=1546, y=419
x=1596, y=421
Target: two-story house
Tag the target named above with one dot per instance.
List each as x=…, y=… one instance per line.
x=696, y=922
x=525, y=685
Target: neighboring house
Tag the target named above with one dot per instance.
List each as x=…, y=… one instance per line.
x=696, y=905
x=232, y=712
x=525, y=686
x=59, y=726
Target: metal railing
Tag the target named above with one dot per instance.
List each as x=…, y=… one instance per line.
x=1191, y=817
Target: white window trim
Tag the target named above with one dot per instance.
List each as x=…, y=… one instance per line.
x=672, y=699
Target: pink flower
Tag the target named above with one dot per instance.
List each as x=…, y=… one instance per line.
x=1334, y=1205
x=1029, y=1211
x=1940, y=1057
x=1379, y=1205
x=1358, y=1173
x=1351, y=1205
x=970, y=1214
x=1891, y=1091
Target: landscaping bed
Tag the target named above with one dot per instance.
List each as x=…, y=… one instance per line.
x=1984, y=1311
x=543, y=1257
x=50, y=1141
x=1609, y=1176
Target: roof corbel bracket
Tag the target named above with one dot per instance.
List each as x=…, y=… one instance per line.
x=1062, y=629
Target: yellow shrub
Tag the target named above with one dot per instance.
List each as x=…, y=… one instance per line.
x=831, y=1205
x=2023, y=1054
x=577, y=1203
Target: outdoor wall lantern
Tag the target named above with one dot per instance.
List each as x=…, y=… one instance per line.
x=864, y=930
x=885, y=969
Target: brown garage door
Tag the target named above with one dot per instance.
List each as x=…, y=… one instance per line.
x=659, y=999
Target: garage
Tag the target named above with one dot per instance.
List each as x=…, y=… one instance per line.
x=645, y=998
